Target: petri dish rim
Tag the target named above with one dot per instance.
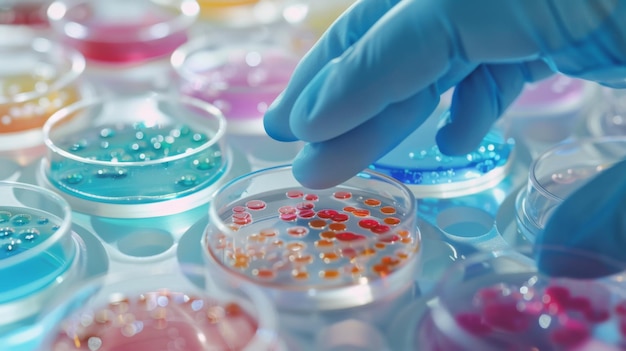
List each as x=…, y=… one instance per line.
x=42, y=45
x=58, y=116
x=64, y=228
x=188, y=12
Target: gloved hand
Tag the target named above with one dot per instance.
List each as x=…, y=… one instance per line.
x=591, y=222
x=378, y=71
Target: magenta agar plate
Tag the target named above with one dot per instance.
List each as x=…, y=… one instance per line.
x=498, y=301
x=314, y=248
x=165, y=311
x=239, y=76
x=559, y=172
x=120, y=31
x=137, y=156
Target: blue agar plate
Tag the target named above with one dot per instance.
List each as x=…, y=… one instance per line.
x=418, y=163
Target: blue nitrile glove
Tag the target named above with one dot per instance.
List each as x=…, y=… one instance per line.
x=378, y=71
x=591, y=220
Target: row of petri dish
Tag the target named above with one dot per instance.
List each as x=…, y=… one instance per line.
x=310, y=251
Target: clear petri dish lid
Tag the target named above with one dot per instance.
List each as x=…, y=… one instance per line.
x=335, y=248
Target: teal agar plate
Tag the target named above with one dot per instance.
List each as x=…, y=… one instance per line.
x=135, y=157
x=38, y=251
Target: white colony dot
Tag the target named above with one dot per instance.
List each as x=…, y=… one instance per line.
x=94, y=343
x=6, y=120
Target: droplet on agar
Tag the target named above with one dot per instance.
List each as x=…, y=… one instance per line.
x=349, y=209
x=328, y=257
x=306, y=213
x=342, y=195
x=326, y=213
x=380, y=245
x=349, y=236
x=301, y=259
x=311, y=197
x=381, y=269
x=30, y=234
x=359, y=212
x=238, y=209
x=287, y=210
x=10, y=247
x=317, y=224
x=324, y=243
x=329, y=274
x=328, y=235
x=340, y=217
x=21, y=219
x=299, y=274
x=268, y=232
x=298, y=231
x=392, y=220
x=372, y=202
x=390, y=239
x=5, y=216
x=256, y=205
x=242, y=218
x=6, y=232
x=368, y=223
x=294, y=194
x=107, y=133
x=389, y=261
x=73, y=178
x=204, y=164
x=296, y=246
x=43, y=220
x=187, y=180
x=264, y=273
x=288, y=217
x=380, y=229
x=368, y=252
x=199, y=137
x=388, y=210
x=305, y=206
x=337, y=227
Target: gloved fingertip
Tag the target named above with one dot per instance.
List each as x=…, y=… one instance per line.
x=452, y=144
x=310, y=170
x=559, y=261
x=275, y=121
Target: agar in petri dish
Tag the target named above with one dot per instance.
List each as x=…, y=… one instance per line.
x=37, y=78
x=135, y=151
x=240, y=77
x=294, y=240
x=30, y=13
x=418, y=163
x=240, y=13
x=38, y=250
x=170, y=314
x=498, y=301
x=123, y=32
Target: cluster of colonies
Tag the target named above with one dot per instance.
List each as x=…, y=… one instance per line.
x=160, y=320
x=32, y=113
x=22, y=229
x=316, y=239
x=244, y=86
x=552, y=317
x=449, y=169
x=137, y=143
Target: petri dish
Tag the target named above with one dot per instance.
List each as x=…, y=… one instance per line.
x=239, y=13
x=549, y=111
x=123, y=32
x=418, y=163
x=137, y=156
x=239, y=75
x=328, y=249
x=37, y=78
x=499, y=301
x=30, y=13
x=608, y=117
x=162, y=310
x=38, y=251
x=559, y=172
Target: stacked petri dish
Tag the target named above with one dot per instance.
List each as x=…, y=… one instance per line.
x=163, y=310
x=500, y=301
x=136, y=156
x=37, y=78
x=40, y=256
x=557, y=173
x=237, y=73
x=314, y=250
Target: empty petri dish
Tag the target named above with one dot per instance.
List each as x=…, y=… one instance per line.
x=136, y=156
x=237, y=74
x=499, y=301
x=608, y=116
x=38, y=250
x=162, y=311
x=328, y=249
x=418, y=163
x=123, y=32
x=559, y=172
x=37, y=78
